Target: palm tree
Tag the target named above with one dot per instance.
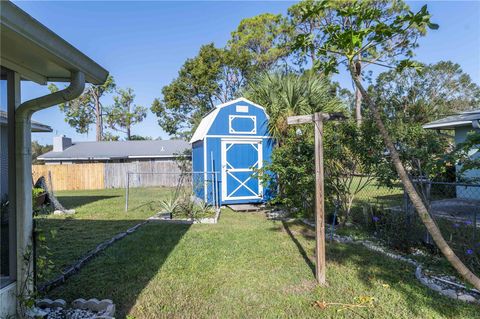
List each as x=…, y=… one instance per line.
x=288, y=94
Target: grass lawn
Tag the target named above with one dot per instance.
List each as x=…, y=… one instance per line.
x=100, y=214
x=247, y=266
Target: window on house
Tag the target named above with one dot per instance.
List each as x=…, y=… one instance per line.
x=7, y=231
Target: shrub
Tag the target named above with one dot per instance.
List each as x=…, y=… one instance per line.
x=399, y=230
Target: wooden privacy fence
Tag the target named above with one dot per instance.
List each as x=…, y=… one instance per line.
x=72, y=176
x=162, y=173
x=108, y=175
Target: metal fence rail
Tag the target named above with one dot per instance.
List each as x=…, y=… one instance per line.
x=201, y=186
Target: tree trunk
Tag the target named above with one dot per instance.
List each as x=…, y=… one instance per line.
x=128, y=133
x=412, y=192
x=358, y=94
x=358, y=106
x=98, y=120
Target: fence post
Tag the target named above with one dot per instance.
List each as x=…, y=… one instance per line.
x=217, y=201
x=127, y=182
x=474, y=226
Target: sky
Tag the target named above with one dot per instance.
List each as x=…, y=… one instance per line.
x=144, y=44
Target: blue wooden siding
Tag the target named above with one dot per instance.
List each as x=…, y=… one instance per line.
x=240, y=121
x=198, y=166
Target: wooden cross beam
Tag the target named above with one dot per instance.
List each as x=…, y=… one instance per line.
x=318, y=119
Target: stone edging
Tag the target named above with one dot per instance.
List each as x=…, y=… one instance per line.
x=461, y=293
x=85, y=259
x=207, y=220
x=99, y=309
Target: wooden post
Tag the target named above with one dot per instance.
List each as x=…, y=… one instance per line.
x=319, y=201
x=127, y=185
x=318, y=119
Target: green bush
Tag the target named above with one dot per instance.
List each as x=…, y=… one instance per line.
x=36, y=192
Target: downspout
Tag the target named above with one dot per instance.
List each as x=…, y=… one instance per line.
x=23, y=169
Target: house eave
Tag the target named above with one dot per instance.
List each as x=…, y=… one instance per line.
x=26, y=44
x=447, y=126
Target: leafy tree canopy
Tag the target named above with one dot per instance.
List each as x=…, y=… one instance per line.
x=263, y=39
x=39, y=149
x=214, y=76
x=87, y=109
x=439, y=89
x=125, y=113
x=409, y=99
x=288, y=94
x=110, y=137
x=140, y=138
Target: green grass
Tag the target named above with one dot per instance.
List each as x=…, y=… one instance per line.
x=374, y=193
x=100, y=214
x=247, y=266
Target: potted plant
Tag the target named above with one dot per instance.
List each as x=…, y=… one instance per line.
x=39, y=196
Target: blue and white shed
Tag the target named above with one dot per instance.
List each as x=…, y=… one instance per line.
x=232, y=140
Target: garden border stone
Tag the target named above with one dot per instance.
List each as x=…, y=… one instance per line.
x=162, y=217
x=98, y=309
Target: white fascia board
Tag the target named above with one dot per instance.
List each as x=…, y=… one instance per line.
x=448, y=125
x=240, y=99
x=153, y=156
x=64, y=158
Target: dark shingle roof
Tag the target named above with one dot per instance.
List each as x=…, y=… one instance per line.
x=450, y=122
x=36, y=126
x=118, y=150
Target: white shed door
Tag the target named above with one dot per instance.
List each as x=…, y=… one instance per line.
x=240, y=158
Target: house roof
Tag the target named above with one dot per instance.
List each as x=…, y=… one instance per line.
x=109, y=150
x=37, y=53
x=208, y=119
x=463, y=119
x=36, y=126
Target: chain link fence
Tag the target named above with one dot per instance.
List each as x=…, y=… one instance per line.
x=388, y=214
x=172, y=192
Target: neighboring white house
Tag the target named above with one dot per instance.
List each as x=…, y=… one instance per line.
x=463, y=124
x=29, y=51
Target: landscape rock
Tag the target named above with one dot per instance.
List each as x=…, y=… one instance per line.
x=64, y=212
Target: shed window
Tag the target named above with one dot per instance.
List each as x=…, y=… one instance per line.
x=242, y=124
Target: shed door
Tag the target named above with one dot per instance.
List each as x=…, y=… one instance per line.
x=239, y=160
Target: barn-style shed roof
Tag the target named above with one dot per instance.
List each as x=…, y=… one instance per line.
x=208, y=119
x=109, y=150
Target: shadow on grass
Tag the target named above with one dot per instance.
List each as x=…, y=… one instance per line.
x=75, y=201
x=299, y=247
x=121, y=271
x=371, y=269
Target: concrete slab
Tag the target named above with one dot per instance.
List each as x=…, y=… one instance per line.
x=245, y=208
